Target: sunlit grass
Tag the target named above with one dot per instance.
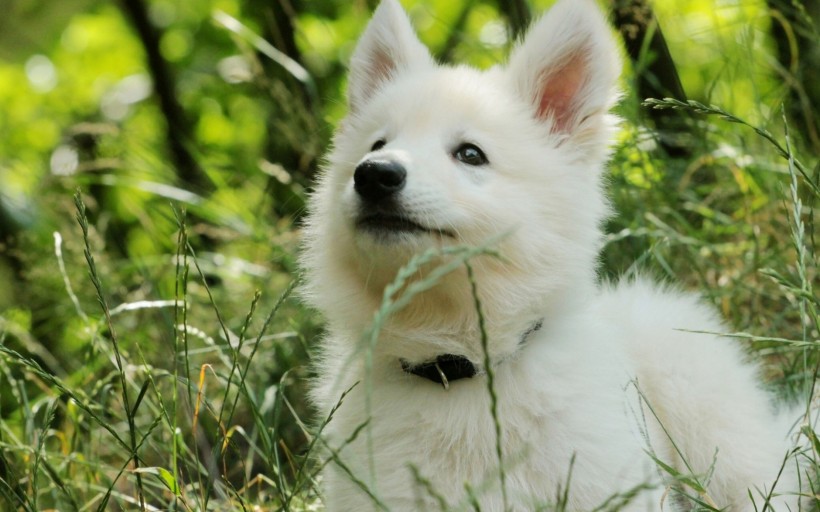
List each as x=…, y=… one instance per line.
x=164, y=408
x=153, y=354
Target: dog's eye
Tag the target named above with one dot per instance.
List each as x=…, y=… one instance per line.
x=470, y=154
x=378, y=145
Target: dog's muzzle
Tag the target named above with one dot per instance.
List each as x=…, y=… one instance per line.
x=378, y=184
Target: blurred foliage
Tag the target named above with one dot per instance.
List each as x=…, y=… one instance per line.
x=78, y=111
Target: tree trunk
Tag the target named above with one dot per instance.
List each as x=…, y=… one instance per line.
x=178, y=129
x=798, y=51
x=655, y=78
x=518, y=15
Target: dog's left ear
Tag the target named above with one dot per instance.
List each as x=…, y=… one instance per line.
x=388, y=46
x=567, y=67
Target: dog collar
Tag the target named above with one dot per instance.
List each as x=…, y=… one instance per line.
x=443, y=369
x=447, y=368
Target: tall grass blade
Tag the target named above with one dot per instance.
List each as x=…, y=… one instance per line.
x=82, y=219
x=488, y=367
x=712, y=110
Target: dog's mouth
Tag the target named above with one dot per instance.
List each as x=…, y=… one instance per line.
x=381, y=224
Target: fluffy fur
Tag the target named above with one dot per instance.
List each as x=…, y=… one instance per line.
x=611, y=377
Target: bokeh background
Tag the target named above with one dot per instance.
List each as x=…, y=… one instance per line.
x=157, y=359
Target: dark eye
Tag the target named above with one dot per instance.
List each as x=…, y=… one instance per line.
x=378, y=145
x=470, y=154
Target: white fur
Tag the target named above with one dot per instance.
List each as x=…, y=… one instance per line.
x=587, y=387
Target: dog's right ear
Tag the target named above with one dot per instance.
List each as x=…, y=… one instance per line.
x=388, y=46
x=567, y=67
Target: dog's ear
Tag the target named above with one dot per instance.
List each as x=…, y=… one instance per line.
x=568, y=67
x=388, y=46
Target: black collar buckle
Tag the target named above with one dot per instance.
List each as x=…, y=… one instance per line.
x=443, y=369
x=447, y=368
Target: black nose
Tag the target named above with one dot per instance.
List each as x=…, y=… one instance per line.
x=375, y=180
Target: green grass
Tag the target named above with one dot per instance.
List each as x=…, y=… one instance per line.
x=128, y=432
x=177, y=417
x=153, y=351
x=169, y=403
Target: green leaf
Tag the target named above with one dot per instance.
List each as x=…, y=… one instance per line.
x=165, y=476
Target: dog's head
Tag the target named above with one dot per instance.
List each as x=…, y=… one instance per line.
x=432, y=155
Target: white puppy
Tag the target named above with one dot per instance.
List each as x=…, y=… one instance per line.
x=597, y=392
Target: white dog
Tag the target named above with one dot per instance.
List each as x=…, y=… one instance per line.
x=572, y=394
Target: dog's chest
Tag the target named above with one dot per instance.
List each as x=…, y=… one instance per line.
x=425, y=436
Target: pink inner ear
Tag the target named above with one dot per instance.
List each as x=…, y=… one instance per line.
x=381, y=65
x=558, y=91
x=378, y=68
